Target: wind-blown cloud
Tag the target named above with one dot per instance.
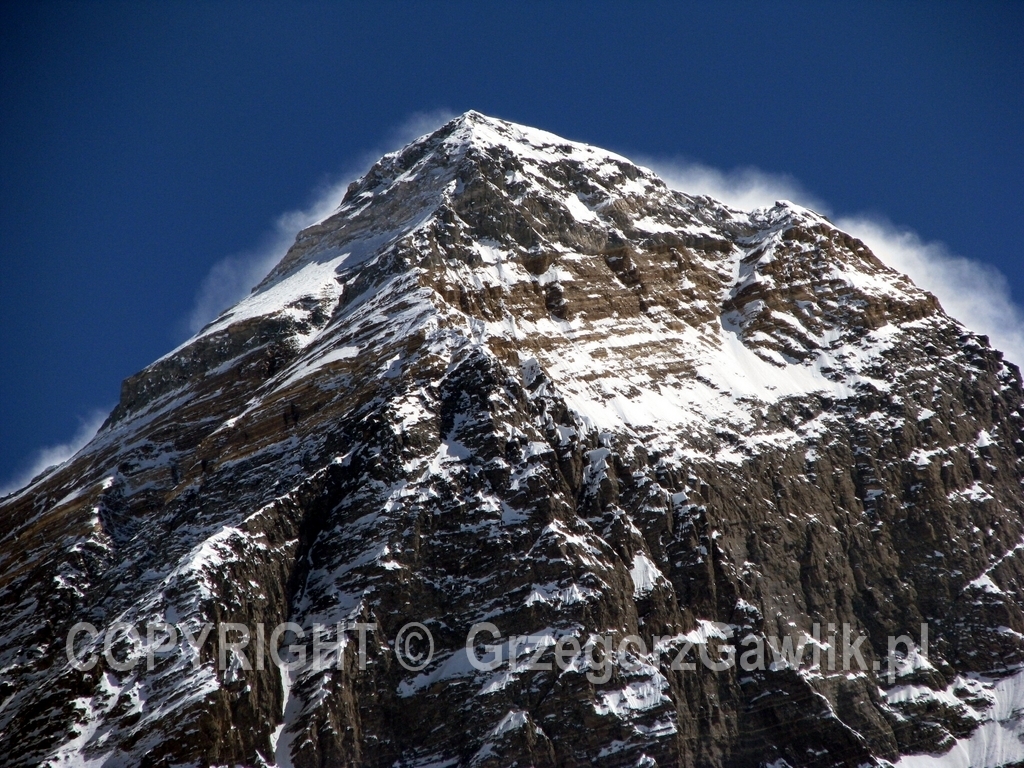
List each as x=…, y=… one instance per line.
x=975, y=293
x=743, y=188
x=56, y=454
x=231, y=278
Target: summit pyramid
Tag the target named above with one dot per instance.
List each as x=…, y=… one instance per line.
x=518, y=395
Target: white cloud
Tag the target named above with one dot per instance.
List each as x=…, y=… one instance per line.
x=975, y=293
x=231, y=278
x=56, y=454
x=743, y=188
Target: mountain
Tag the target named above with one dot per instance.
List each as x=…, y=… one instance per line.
x=517, y=381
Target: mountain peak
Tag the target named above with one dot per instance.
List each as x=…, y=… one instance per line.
x=517, y=379
x=474, y=128
x=409, y=185
x=486, y=202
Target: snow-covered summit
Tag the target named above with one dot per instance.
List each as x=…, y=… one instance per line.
x=593, y=265
x=518, y=380
x=407, y=185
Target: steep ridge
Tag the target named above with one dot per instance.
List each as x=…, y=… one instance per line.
x=518, y=380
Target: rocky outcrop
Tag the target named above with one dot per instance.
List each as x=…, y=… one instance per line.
x=518, y=381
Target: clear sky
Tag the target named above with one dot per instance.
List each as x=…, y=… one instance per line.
x=142, y=144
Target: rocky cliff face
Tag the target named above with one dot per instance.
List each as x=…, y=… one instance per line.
x=518, y=380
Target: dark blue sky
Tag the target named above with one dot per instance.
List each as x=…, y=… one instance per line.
x=142, y=143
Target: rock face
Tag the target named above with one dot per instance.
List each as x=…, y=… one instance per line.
x=518, y=380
